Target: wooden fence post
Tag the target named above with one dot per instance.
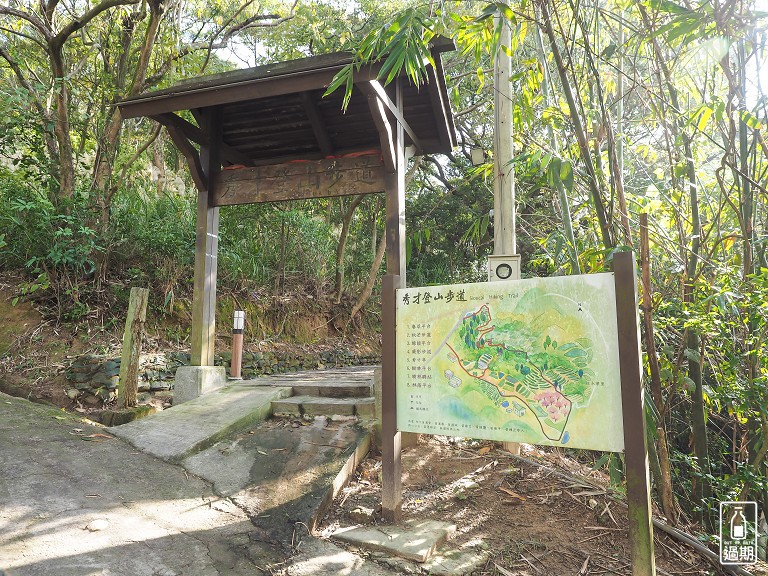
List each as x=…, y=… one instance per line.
x=129, y=364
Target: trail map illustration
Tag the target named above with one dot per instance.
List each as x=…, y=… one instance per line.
x=524, y=361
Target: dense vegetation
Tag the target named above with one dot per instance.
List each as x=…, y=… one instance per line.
x=621, y=109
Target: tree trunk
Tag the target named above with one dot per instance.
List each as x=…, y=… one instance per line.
x=565, y=205
x=109, y=142
x=664, y=479
x=581, y=137
x=158, y=161
x=61, y=127
x=617, y=178
x=342, y=245
x=280, y=276
x=372, y=275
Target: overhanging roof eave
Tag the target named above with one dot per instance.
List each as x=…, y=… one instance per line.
x=227, y=92
x=252, y=99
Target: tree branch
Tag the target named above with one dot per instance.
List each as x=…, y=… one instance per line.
x=27, y=36
x=139, y=152
x=32, y=19
x=75, y=25
x=252, y=22
x=48, y=9
x=23, y=81
x=213, y=44
x=471, y=108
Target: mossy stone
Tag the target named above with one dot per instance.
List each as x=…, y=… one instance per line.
x=118, y=417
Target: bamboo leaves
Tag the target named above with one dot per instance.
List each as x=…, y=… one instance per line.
x=402, y=43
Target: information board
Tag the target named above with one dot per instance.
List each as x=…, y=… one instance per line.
x=532, y=360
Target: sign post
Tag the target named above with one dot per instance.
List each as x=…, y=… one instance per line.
x=632, y=401
x=391, y=481
x=548, y=361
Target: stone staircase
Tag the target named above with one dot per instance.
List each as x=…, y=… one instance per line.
x=342, y=392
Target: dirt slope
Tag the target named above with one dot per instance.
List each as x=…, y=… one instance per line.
x=545, y=514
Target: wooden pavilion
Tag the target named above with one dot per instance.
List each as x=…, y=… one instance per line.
x=267, y=134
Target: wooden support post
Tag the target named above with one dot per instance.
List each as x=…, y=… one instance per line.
x=204, y=296
x=394, y=180
x=394, y=184
x=206, y=251
x=632, y=393
x=391, y=472
x=129, y=363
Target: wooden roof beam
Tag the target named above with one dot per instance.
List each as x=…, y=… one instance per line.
x=197, y=135
x=386, y=136
x=441, y=109
x=374, y=87
x=191, y=155
x=317, y=122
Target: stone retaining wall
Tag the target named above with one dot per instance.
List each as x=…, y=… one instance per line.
x=93, y=379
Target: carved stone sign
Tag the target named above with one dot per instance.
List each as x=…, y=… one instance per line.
x=300, y=180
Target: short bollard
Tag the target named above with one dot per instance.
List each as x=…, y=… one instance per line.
x=237, y=344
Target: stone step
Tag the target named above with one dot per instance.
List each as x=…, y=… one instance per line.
x=340, y=383
x=342, y=389
x=324, y=406
x=415, y=540
x=283, y=476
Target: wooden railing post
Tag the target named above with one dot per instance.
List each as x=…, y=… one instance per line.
x=129, y=364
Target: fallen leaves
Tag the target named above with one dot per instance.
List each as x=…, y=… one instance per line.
x=97, y=437
x=513, y=494
x=504, y=571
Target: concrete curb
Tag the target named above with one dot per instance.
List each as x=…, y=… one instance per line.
x=174, y=434
x=346, y=472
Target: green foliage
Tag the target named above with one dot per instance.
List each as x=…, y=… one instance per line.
x=162, y=225
x=402, y=44
x=262, y=243
x=54, y=246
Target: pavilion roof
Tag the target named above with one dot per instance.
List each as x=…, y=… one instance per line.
x=277, y=113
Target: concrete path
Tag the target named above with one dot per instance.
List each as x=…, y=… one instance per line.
x=71, y=505
x=232, y=495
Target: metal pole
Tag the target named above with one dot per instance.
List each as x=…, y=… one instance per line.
x=237, y=345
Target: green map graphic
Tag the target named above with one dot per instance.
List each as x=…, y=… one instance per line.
x=528, y=361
